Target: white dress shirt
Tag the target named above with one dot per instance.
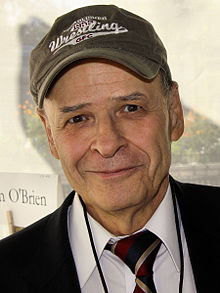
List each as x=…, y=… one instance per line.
x=118, y=276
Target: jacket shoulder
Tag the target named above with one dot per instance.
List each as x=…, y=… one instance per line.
x=16, y=252
x=197, y=191
x=15, y=247
x=198, y=203
x=35, y=253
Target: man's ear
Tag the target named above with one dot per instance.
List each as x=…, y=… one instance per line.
x=47, y=127
x=175, y=113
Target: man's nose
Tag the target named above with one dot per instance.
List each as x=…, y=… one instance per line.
x=108, y=139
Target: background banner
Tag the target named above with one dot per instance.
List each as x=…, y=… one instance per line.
x=28, y=196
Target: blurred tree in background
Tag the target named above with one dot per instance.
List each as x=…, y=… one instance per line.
x=200, y=142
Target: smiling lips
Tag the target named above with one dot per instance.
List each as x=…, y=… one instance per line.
x=115, y=172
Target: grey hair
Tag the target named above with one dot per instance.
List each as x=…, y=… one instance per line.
x=166, y=81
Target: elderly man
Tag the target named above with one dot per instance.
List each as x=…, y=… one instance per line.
x=110, y=109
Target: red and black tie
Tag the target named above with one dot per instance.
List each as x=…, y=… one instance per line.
x=139, y=252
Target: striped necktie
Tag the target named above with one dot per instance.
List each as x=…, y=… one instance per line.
x=139, y=252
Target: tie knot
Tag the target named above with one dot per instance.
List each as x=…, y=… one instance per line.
x=138, y=252
x=137, y=247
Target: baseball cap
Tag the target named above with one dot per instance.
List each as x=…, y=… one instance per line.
x=98, y=31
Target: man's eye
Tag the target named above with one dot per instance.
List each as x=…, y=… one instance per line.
x=131, y=108
x=77, y=119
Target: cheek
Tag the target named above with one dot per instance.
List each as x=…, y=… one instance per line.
x=149, y=135
x=70, y=149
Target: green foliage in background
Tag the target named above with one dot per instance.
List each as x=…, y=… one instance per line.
x=34, y=130
x=200, y=142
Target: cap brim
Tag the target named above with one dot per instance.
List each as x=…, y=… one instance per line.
x=146, y=68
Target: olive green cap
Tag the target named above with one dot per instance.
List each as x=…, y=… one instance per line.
x=99, y=31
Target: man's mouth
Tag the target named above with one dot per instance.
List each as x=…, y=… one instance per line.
x=111, y=173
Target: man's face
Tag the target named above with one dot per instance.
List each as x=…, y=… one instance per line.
x=112, y=132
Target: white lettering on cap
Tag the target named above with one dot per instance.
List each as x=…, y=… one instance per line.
x=83, y=29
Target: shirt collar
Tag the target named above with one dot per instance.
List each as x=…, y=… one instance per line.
x=162, y=224
x=80, y=242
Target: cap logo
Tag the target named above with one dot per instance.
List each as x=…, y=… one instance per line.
x=85, y=28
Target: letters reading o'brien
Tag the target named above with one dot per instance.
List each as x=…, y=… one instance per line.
x=21, y=196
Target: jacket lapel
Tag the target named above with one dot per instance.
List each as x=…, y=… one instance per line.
x=54, y=270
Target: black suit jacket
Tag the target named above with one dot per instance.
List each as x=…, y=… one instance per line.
x=38, y=259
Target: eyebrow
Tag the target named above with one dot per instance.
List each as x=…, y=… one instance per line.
x=136, y=96
x=67, y=109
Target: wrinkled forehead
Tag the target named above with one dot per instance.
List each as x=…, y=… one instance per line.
x=89, y=68
x=90, y=73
